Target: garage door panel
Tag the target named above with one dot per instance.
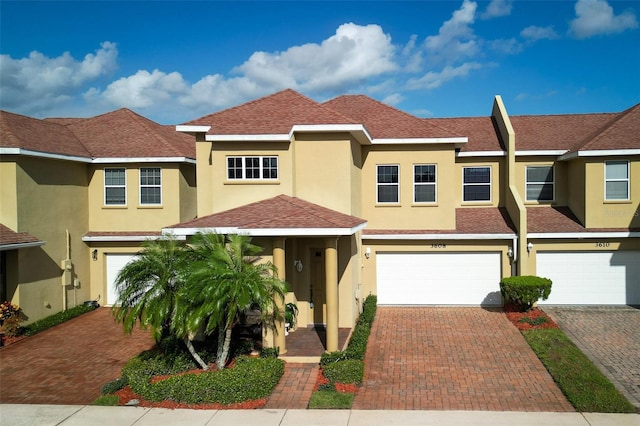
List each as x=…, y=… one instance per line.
x=591, y=278
x=438, y=278
x=115, y=263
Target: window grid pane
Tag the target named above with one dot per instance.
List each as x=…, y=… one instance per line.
x=253, y=168
x=234, y=168
x=616, y=180
x=388, y=189
x=424, y=189
x=114, y=187
x=150, y=185
x=476, y=184
x=539, y=183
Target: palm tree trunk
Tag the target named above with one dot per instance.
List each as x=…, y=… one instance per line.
x=223, y=350
x=194, y=354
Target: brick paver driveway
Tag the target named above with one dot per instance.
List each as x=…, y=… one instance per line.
x=68, y=364
x=610, y=337
x=433, y=358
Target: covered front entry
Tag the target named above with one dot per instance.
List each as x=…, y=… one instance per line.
x=591, y=278
x=451, y=278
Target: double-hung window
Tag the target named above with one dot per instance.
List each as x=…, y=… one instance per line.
x=476, y=184
x=539, y=183
x=616, y=180
x=388, y=187
x=424, y=183
x=252, y=168
x=150, y=186
x=115, y=187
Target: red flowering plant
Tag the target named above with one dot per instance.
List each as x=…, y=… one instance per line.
x=10, y=316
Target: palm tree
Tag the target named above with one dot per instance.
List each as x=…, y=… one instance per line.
x=225, y=281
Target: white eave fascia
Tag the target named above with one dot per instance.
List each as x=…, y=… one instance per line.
x=123, y=238
x=6, y=247
x=192, y=129
x=439, y=236
x=542, y=152
x=600, y=153
x=268, y=232
x=28, y=152
x=143, y=160
x=583, y=235
x=481, y=154
x=249, y=138
x=419, y=141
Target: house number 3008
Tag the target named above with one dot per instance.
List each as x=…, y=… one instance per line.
x=438, y=246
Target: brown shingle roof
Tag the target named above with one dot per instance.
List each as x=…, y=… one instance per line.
x=485, y=220
x=385, y=122
x=622, y=133
x=559, y=219
x=273, y=114
x=481, y=132
x=281, y=212
x=8, y=238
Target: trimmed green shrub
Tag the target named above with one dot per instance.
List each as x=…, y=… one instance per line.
x=349, y=371
x=269, y=352
x=358, y=343
x=113, y=386
x=525, y=290
x=55, y=319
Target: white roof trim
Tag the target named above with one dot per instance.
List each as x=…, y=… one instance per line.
x=545, y=152
x=396, y=141
x=99, y=160
x=481, y=154
x=600, y=153
x=5, y=247
x=268, y=232
x=192, y=129
x=582, y=235
x=248, y=138
x=438, y=236
x=115, y=238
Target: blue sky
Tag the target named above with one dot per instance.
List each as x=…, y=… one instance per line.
x=175, y=61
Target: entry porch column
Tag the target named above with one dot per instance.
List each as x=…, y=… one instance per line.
x=331, y=274
x=279, y=339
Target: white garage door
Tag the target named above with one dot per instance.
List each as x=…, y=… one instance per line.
x=115, y=262
x=591, y=278
x=438, y=279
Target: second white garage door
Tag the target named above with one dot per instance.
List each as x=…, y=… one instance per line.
x=438, y=279
x=591, y=278
x=115, y=262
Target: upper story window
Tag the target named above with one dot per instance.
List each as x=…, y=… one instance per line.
x=388, y=188
x=115, y=187
x=150, y=186
x=476, y=184
x=616, y=180
x=539, y=183
x=256, y=168
x=424, y=183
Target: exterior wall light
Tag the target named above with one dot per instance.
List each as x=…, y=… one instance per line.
x=94, y=254
x=510, y=253
x=298, y=265
x=367, y=252
x=529, y=247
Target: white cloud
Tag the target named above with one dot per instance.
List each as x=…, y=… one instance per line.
x=433, y=80
x=144, y=89
x=497, y=8
x=595, y=17
x=509, y=46
x=534, y=33
x=455, y=40
x=393, y=99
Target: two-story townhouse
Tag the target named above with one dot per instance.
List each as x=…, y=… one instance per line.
x=352, y=197
x=78, y=196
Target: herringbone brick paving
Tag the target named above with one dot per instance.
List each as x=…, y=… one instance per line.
x=69, y=363
x=431, y=358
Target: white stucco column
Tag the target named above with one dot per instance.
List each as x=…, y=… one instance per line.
x=331, y=274
x=279, y=339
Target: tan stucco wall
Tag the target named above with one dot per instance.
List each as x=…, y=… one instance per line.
x=136, y=217
x=187, y=199
x=611, y=214
x=576, y=188
x=50, y=198
x=452, y=246
x=406, y=214
x=8, y=193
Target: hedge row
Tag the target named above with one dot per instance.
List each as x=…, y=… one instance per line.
x=55, y=319
x=525, y=290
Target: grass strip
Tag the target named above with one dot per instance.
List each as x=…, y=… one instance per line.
x=585, y=387
x=328, y=399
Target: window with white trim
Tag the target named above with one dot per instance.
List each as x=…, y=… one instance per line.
x=115, y=187
x=424, y=183
x=616, y=180
x=476, y=183
x=252, y=168
x=388, y=186
x=539, y=183
x=150, y=186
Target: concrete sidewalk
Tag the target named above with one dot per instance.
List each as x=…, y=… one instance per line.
x=81, y=415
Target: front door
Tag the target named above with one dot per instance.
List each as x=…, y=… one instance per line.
x=318, y=286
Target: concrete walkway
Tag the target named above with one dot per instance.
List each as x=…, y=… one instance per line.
x=443, y=358
x=70, y=415
x=610, y=337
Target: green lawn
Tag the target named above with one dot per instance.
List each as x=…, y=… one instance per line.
x=586, y=388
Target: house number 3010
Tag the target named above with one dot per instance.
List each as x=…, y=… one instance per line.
x=438, y=246
x=602, y=244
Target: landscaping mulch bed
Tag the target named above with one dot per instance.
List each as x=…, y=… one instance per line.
x=340, y=387
x=533, y=319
